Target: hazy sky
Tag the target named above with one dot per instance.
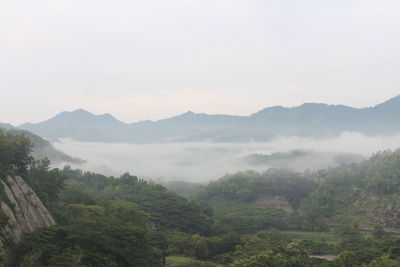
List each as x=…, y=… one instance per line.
x=150, y=59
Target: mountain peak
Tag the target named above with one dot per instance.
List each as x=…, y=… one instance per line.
x=84, y=116
x=188, y=113
x=81, y=110
x=309, y=119
x=77, y=112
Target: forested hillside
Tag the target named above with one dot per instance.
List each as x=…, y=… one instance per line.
x=365, y=191
x=302, y=159
x=278, y=217
x=347, y=214
x=114, y=233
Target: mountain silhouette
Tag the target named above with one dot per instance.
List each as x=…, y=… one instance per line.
x=307, y=120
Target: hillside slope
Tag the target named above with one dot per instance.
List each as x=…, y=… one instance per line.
x=366, y=193
x=42, y=148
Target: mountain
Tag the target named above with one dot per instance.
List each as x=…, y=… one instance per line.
x=308, y=120
x=80, y=125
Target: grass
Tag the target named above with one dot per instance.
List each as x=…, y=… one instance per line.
x=181, y=261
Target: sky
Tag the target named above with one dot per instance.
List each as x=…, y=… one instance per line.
x=152, y=59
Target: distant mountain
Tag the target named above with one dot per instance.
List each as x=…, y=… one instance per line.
x=79, y=125
x=308, y=120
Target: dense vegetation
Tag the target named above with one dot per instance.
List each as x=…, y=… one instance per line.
x=167, y=210
x=14, y=153
x=301, y=159
x=273, y=218
x=248, y=186
x=111, y=234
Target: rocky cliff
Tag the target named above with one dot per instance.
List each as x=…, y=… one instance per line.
x=21, y=209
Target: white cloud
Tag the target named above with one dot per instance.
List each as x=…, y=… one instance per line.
x=206, y=161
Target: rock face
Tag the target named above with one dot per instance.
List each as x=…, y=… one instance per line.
x=23, y=210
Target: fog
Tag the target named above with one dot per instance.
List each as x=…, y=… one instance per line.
x=202, y=162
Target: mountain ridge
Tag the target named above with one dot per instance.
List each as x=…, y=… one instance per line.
x=308, y=119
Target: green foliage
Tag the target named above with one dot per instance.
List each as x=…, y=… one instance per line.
x=181, y=261
x=384, y=261
x=368, y=251
x=350, y=238
x=205, y=248
x=248, y=186
x=167, y=210
x=75, y=196
x=317, y=247
x=341, y=187
x=126, y=221
x=383, y=172
x=379, y=231
x=14, y=153
x=251, y=245
x=357, y=258
x=199, y=247
x=290, y=255
x=320, y=205
x=47, y=183
x=300, y=157
x=253, y=220
x=111, y=235
x=42, y=148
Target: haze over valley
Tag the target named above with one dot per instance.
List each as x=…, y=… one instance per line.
x=202, y=162
x=200, y=147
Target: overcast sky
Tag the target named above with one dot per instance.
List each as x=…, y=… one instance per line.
x=150, y=59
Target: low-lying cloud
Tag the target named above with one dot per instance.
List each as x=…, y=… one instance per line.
x=201, y=162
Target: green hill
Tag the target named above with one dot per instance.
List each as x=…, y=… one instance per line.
x=42, y=148
x=343, y=216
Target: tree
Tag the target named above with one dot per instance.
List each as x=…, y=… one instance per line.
x=110, y=235
x=15, y=154
x=47, y=183
x=384, y=261
x=290, y=256
x=200, y=248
